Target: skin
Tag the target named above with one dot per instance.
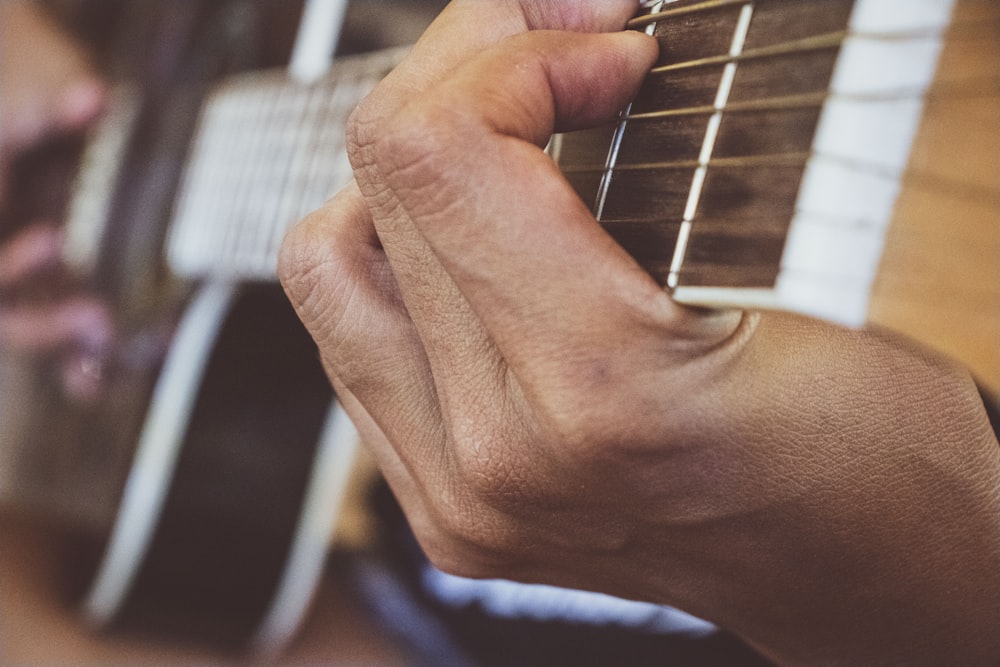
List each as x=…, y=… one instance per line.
x=47, y=88
x=544, y=412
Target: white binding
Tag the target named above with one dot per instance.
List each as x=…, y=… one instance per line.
x=156, y=455
x=859, y=154
x=335, y=457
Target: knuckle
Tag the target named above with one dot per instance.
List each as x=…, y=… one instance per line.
x=300, y=259
x=415, y=149
x=591, y=16
x=361, y=130
x=408, y=153
x=310, y=270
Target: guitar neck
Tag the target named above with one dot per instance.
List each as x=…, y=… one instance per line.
x=268, y=150
x=759, y=166
x=761, y=160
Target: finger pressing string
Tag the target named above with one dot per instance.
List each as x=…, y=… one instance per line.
x=509, y=230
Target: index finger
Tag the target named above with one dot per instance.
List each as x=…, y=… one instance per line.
x=524, y=250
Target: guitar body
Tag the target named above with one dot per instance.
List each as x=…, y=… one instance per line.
x=939, y=282
x=220, y=478
x=196, y=491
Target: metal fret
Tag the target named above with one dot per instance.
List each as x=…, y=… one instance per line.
x=810, y=120
x=711, y=135
x=268, y=150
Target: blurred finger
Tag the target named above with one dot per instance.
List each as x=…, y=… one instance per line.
x=35, y=249
x=80, y=322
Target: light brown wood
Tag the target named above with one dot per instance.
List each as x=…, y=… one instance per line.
x=940, y=276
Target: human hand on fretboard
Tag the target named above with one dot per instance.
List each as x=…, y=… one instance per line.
x=545, y=412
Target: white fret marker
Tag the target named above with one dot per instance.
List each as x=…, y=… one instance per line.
x=708, y=144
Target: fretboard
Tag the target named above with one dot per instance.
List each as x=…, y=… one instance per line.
x=760, y=163
x=268, y=151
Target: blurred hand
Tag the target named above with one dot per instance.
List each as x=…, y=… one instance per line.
x=47, y=88
x=544, y=411
x=47, y=85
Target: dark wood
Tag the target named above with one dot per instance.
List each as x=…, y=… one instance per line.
x=744, y=211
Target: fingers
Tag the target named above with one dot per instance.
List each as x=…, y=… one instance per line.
x=81, y=322
x=523, y=250
x=33, y=250
x=466, y=27
x=48, y=83
x=456, y=345
x=334, y=271
x=446, y=335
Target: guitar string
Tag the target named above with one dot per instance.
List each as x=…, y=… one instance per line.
x=956, y=32
x=832, y=40
x=928, y=181
x=641, y=22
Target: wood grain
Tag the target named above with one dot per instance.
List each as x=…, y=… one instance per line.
x=940, y=276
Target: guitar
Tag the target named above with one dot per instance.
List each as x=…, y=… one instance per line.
x=726, y=199
x=754, y=171
x=198, y=493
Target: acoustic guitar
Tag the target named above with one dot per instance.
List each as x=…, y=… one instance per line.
x=197, y=495
x=775, y=158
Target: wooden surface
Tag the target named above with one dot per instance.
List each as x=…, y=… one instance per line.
x=37, y=626
x=940, y=282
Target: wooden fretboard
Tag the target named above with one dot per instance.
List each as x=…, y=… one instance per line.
x=267, y=152
x=760, y=163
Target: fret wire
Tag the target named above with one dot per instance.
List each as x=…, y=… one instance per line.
x=612, y=158
x=253, y=174
x=294, y=132
x=708, y=146
x=319, y=171
x=289, y=127
x=655, y=17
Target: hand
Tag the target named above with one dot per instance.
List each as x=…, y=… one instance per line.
x=77, y=326
x=47, y=88
x=47, y=85
x=544, y=412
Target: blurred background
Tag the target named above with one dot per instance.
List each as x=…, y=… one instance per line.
x=175, y=485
